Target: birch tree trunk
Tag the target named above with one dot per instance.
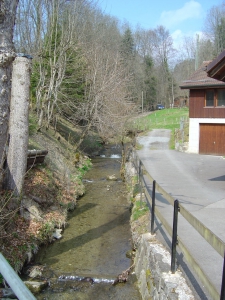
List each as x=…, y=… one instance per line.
x=7, y=55
x=18, y=125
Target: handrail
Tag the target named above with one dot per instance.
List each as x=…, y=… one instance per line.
x=158, y=213
x=205, y=232
x=16, y=284
x=198, y=270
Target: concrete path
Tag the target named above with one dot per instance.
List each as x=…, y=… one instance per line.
x=198, y=181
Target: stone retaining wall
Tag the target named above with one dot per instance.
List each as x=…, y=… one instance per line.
x=152, y=268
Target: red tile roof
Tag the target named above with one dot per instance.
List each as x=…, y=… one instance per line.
x=200, y=79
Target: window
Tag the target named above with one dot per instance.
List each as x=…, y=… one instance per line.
x=215, y=98
x=209, y=98
x=221, y=98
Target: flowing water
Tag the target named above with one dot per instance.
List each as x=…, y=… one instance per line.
x=92, y=252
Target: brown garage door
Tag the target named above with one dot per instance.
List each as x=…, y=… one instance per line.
x=212, y=139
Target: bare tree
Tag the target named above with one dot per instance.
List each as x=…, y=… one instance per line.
x=78, y=36
x=59, y=46
x=106, y=100
x=7, y=55
x=106, y=106
x=31, y=25
x=144, y=42
x=214, y=27
x=163, y=53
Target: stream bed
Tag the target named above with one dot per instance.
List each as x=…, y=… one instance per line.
x=92, y=251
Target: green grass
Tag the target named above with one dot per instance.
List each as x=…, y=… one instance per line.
x=139, y=210
x=85, y=167
x=166, y=118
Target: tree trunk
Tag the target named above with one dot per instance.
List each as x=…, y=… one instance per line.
x=82, y=136
x=19, y=125
x=7, y=55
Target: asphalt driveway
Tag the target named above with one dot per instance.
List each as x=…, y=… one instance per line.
x=198, y=181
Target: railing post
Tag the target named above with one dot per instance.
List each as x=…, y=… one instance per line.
x=140, y=183
x=174, y=237
x=153, y=208
x=139, y=172
x=16, y=284
x=135, y=160
x=222, y=294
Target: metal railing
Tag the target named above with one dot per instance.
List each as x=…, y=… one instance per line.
x=14, y=281
x=205, y=232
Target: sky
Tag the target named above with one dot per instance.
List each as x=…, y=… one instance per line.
x=180, y=17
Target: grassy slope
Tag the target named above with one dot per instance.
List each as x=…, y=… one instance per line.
x=166, y=119
x=57, y=184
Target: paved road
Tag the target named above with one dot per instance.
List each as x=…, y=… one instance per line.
x=198, y=181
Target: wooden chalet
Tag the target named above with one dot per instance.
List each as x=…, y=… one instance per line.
x=207, y=108
x=181, y=101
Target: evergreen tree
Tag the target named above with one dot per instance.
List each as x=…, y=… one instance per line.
x=149, y=84
x=72, y=90
x=128, y=60
x=220, y=36
x=127, y=48
x=57, y=82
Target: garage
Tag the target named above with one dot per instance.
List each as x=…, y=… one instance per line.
x=212, y=139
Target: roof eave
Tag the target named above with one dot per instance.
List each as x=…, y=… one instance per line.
x=216, y=69
x=219, y=59
x=208, y=86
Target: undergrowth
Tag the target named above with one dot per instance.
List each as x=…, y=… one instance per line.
x=140, y=208
x=20, y=236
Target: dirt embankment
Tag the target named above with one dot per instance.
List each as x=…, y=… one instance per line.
x=50, y=190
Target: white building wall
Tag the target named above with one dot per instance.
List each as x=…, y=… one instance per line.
x=194, y=129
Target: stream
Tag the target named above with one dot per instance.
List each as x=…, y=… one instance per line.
x=92, y=251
